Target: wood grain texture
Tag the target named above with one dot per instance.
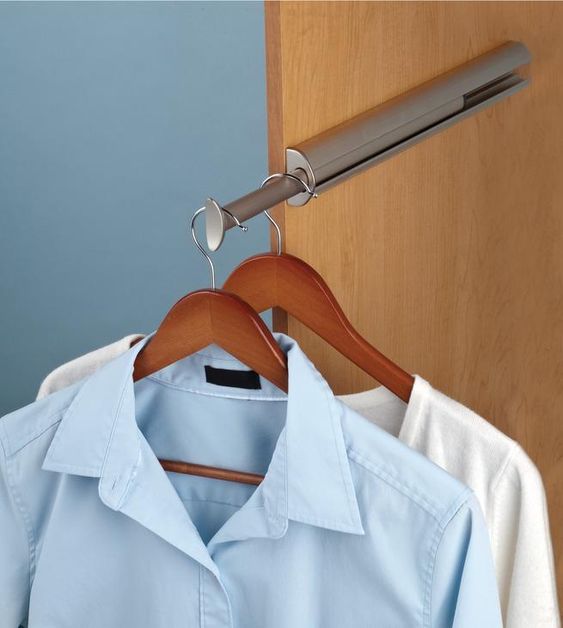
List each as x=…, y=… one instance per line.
x=275, y=124
x=218, y=317
x=449, y=256
x=270, y=280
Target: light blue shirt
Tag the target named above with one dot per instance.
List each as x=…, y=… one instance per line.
x=350, y=528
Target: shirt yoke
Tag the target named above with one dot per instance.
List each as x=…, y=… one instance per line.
x=410, y=473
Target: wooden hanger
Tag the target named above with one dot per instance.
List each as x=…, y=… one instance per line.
x=213, y=316
x=280, y=280
x=207, y=317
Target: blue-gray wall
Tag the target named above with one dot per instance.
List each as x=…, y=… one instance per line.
x=116, y=121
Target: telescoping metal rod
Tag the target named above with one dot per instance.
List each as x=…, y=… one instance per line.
x=367, y=139
x=217, y=219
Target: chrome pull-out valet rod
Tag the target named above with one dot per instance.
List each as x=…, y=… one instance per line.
x=333, y=156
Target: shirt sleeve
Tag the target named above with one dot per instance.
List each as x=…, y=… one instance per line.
x=522, y=546
x=464, y=589
x=14, y=553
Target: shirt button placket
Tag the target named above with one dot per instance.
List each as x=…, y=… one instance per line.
x=215, y=608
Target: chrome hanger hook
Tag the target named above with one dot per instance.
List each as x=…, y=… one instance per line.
x=288, y=175
x=200, y=246
x=277, y=228
x=234, y=219
x=279, y=175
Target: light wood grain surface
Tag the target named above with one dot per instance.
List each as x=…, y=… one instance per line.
x=449, y=257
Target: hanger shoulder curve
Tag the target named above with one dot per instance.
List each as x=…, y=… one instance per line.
x=204, y=317
x=270, y=280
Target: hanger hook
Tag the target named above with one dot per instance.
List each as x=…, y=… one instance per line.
x=200, y=246
x=235, y=219
x=278, y=175
x=277, y=228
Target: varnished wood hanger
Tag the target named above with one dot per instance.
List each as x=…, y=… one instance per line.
x=281, y=280
x=207, y=317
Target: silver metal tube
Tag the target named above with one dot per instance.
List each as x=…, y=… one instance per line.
x=218, y=220
x=357, y=144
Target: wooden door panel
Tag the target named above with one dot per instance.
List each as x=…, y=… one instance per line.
x=449, y=256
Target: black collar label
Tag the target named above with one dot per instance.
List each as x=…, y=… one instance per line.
x=233, y=378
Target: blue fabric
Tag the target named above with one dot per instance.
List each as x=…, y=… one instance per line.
x=350, y=528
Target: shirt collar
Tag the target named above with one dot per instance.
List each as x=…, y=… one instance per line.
x=308, y=480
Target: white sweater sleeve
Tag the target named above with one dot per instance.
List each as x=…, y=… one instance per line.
x=83, y=366
x=522, y=546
